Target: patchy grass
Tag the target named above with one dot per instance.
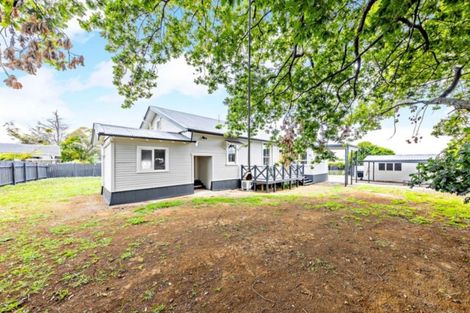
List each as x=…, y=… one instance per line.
x=149, y=208
x=46, y=254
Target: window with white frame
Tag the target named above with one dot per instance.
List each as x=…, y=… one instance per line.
x=303, y=158
x=150, y=159
x=266, y=155
x=231, y=154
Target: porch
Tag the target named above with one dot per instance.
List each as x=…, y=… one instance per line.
x=268, y=178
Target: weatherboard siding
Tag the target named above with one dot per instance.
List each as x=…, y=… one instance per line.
x=128, y=178
x=124, y=175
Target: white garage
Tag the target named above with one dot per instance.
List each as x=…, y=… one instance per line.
x=393, y=168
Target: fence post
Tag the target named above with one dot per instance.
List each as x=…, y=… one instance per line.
x=13, y=172
x=74, y=169
x=24, y=170
x=37, y=170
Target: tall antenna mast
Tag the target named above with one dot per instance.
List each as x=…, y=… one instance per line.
x=249, y=85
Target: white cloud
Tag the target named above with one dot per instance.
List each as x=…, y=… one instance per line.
x=38, y=98
x=429, y=143
x=76, y=33
x=178, y=76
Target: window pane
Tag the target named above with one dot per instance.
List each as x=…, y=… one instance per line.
x=159, y=159
x=266, y=155
x=146, y=159
x=381, y=166
x=231, y=154
x=389, y=166
x=397, y=166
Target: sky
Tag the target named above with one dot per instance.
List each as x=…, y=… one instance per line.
x=86, y=95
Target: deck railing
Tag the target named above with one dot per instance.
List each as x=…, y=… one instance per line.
x=275, y=173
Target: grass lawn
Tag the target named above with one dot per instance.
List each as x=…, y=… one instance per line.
x=321, y=248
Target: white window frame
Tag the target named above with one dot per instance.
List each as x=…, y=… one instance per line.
x=270, y=149
x=227, y=162
x=152, y=170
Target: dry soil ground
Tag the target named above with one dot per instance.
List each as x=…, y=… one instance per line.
x=320, y=248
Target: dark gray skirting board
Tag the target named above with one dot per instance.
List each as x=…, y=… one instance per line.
x=318, y=178
x=226, y=184
x=131, y=196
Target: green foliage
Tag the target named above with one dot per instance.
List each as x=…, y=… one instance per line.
x=331, y=71
x=337, y=165
x=449, y=172
x=15, y=156
x=77, y=147
x=366, y=148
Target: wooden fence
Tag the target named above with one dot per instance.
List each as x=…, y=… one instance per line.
x=13, y=172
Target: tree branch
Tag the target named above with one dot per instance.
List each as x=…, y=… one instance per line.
x=356, y=43
x=455, y=81
x=420, y=28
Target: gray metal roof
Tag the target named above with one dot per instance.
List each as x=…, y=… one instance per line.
x=400, y=157
x=121, y=131
x=36, y=150
x=201, y=124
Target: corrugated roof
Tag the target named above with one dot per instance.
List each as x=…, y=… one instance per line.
x=121, y=131
x=200, y=123
x=400, y=157
x=36, y=150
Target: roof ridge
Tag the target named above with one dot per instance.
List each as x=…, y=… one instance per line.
x=153, y=130
x=211, y=118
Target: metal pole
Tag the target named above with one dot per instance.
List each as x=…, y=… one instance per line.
x=373, y=171
x=355, y=161
x=346, y=165
x=249, y=84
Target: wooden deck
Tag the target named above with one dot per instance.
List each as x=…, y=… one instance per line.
x=272, y=177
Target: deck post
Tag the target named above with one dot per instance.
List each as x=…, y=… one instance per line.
x=254, y=177
x=274, y=170
x=267, y=178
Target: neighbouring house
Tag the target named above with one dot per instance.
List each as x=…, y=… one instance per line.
x=173, y=152
x=45, y=153
x=393, y=168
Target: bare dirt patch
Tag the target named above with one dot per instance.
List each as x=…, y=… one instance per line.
x=281, y=257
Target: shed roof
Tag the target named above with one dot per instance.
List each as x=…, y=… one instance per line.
x=128, y=132
x=29, y=148
x=197, y=123
x=400, y=157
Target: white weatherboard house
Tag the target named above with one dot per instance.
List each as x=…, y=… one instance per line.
x=172, y=151
x=393, y=168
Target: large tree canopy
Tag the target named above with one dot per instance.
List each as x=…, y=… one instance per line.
x=331, y=70
x=366, y=148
